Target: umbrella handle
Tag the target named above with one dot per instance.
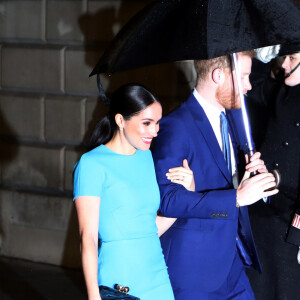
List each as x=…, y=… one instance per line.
x=277, y=176
x=275, y=172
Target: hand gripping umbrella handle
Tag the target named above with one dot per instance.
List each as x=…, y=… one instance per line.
x=246, y=123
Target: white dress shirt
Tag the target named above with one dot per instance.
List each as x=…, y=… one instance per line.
x=213, y=115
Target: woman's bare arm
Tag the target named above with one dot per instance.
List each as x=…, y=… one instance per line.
x=88, y=217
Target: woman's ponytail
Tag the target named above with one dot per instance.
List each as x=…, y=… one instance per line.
x=102, y=133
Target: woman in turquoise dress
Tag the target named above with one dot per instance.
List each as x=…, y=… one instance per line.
x=117, y=199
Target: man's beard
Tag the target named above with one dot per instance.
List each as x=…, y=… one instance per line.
x=227, y=97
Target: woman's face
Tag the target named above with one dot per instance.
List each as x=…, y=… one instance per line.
x=289, y=63
x=143, y=127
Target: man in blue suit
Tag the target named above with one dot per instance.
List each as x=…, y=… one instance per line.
x=208, y=247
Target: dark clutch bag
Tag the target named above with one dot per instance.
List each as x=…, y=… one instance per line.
x=108, y=293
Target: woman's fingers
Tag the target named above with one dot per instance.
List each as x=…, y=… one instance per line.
x=179, y=176
x=180, y=169
x=177, y=181
x=182, y=175
x=186, y=164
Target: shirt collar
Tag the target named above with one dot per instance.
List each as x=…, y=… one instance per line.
x=210, y=110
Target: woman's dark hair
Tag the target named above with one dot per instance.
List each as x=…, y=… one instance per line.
x=128, y=101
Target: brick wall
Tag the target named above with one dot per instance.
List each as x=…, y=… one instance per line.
x=48, y=107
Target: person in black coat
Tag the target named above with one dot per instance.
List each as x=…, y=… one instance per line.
x=276, y=226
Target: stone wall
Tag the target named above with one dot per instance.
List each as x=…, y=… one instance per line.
x=48, y=107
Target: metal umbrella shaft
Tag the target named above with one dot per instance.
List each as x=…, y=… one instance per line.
x=243, y=105
x=247, y=127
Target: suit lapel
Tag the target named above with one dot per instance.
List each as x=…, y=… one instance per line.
x=200, y=119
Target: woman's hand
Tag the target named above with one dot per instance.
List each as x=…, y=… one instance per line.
x=182, y=175
x=163, y=224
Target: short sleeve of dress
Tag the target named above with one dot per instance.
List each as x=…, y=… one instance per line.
x=88, y=178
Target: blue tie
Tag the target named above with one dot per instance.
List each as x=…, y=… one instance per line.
x=225, y=140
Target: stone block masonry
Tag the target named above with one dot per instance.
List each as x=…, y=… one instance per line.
x=48, y=109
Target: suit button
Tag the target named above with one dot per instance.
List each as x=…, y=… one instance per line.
x=285, y=144
x=275, y=164
x=236, y=238
x=297, y=124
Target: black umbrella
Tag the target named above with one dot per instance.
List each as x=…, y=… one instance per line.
x=173, y=30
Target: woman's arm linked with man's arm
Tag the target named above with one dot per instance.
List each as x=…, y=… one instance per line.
x=180, y=175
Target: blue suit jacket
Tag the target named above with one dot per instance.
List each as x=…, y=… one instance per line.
x=199, y=248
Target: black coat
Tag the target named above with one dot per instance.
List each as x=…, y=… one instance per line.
x=276, y=239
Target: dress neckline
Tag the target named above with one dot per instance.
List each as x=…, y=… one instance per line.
x=119, y=154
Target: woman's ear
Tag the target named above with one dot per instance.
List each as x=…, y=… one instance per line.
x=119, y=121
x=218, y=75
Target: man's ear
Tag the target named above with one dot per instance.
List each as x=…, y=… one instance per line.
x=218, y=76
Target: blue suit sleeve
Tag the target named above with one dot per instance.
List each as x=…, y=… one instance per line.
x=172, y=146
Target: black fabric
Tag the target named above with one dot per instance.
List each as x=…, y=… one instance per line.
x=289, y=49
x=259, y=99
x=166, y=31
x=108, y=293
x=271, y=224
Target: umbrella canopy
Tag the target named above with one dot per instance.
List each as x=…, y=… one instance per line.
x=173, y=30
x=289, y=49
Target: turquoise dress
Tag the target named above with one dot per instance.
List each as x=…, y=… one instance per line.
x=130, y=252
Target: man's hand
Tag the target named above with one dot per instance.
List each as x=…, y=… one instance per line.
x=255, y=164
x=255, y=188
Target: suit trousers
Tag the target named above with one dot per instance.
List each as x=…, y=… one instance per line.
x=235, y=287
